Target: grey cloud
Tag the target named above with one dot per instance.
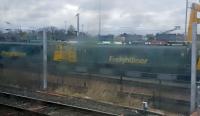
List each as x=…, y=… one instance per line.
x=133, y=14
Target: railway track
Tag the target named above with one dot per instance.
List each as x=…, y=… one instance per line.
x=145, y=87
x=52, y=104
x=141, y=80
x=162, y=94
x=44, y=108
x=8, y=110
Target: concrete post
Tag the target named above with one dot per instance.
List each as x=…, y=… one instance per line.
x=193, y=69
x=44, y=60
x=78, y=24
x=198, y=100
x=186, y=19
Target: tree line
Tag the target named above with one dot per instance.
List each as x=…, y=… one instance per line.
x=53, y=33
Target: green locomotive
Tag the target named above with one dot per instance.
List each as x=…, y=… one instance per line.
x=163, y=62
x=132, y=61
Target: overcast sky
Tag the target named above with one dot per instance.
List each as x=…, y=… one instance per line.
x=131, y=16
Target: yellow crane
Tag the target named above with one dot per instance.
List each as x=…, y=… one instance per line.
x=193, y=19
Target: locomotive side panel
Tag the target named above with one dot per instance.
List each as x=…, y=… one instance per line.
x=119, y=60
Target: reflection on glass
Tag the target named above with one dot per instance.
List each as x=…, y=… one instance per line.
x=125, y=53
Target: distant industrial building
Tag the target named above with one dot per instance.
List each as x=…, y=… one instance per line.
x=170, y=37
x=106, y=37
x=130, y=37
